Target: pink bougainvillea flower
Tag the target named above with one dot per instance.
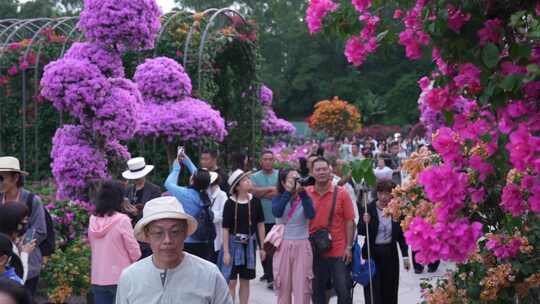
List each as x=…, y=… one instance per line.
x=443, y=184
x=361, y=5
x=359, y=47
x=456, y=18
x=483, y=168
x=469, y=78
x=477, y=195
x=512, y=200
x=12, y=71
x=491, y=32
x=448, y=144
x=523, y=148
x=398, y=14
x=317, y=11
x=509, y=68
x=439, y=99
x=504, y=246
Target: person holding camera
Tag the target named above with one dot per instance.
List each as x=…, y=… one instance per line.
x=195, y=200
x=243, y=219
x=331, y=234
x=293, y=259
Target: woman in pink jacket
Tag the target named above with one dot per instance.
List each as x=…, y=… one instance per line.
x=112, y=242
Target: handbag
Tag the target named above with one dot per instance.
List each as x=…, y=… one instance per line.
x=321, y=239
x=273, y=239
x=362, y=270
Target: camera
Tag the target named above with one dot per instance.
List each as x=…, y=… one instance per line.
x=306, y=181
x=241, y=238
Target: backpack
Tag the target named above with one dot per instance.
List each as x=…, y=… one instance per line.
x=48, y=245
x=206, y=230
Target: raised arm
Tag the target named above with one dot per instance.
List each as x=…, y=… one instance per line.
x=279, y=203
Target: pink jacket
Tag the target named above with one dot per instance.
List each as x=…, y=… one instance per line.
x=113, y=247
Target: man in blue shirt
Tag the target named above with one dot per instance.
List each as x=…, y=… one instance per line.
x=265, y=182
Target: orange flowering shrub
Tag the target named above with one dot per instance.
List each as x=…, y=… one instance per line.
x=335, y=117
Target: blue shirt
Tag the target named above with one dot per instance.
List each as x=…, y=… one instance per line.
x=188, y=197
x=297, y=227
x=262, y=180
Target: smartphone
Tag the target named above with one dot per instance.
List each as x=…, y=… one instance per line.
x=29, y=235
x=180, y=150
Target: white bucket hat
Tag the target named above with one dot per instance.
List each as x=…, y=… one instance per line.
x=235, y=178
x=165, y=207
x=11, y=164
x=137, y=168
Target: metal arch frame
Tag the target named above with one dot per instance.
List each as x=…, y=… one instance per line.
x=12, y=30
x=218, y=13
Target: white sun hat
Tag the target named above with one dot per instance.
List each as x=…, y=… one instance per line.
x=11, y=164
x=235, y=178
x=137, y=168
x=165, y=207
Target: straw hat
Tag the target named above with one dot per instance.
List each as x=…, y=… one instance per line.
x=11, y=164
x=165, y=207
x=235, y=178
x=137, y=168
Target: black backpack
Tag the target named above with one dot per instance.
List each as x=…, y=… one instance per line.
x=49, y=244
x=206, y=230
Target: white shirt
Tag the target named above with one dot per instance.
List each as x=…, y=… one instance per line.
x=384, y=235
x=218, y=198
x=194, y=281
x=384, y=173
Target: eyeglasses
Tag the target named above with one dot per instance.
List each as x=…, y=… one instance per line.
x=158, y=235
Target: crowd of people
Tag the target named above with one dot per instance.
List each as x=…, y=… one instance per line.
x=200, y=241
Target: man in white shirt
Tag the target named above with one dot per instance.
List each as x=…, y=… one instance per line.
x=170, y=275
x=383, y=172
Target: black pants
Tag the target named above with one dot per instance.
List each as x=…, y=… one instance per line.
x=31, y=285
x=202, y=250
x=386, y=278
x=331, y=271
x=267, y=263
x=420, y=267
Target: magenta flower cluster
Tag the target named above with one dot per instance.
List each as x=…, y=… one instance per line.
x=447, y=187
x=122, y=24
x=108, y=61
x=266, y=96
x=75, y=162
x=503, y=246
x=452, y=241
x=414, y=37
x=359, y=47
x=162, y=80
x=317, y=11
x=189, y=120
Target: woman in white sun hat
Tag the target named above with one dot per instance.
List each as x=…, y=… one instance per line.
x=170, y=275
x=243, y=218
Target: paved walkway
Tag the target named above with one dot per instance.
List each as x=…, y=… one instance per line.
x=409, y=287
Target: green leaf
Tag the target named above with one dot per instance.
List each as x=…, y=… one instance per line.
x=518, y=51
x=449, y=117
x=370, y=178
x=533, y=68
x=490, y=55
x=511, y=82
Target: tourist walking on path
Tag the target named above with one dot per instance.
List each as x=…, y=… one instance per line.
x=13, y=223
x=11, y=190
x=112, y=242
x=293, y=260
x=141, y=191
x=331, y=267
x=196, y=201
x=170, y=275
x=243, y=219
x=384, y=235
x=264, y=188
x=219, y=198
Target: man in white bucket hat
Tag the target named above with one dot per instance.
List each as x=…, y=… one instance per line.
x=170, y=275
